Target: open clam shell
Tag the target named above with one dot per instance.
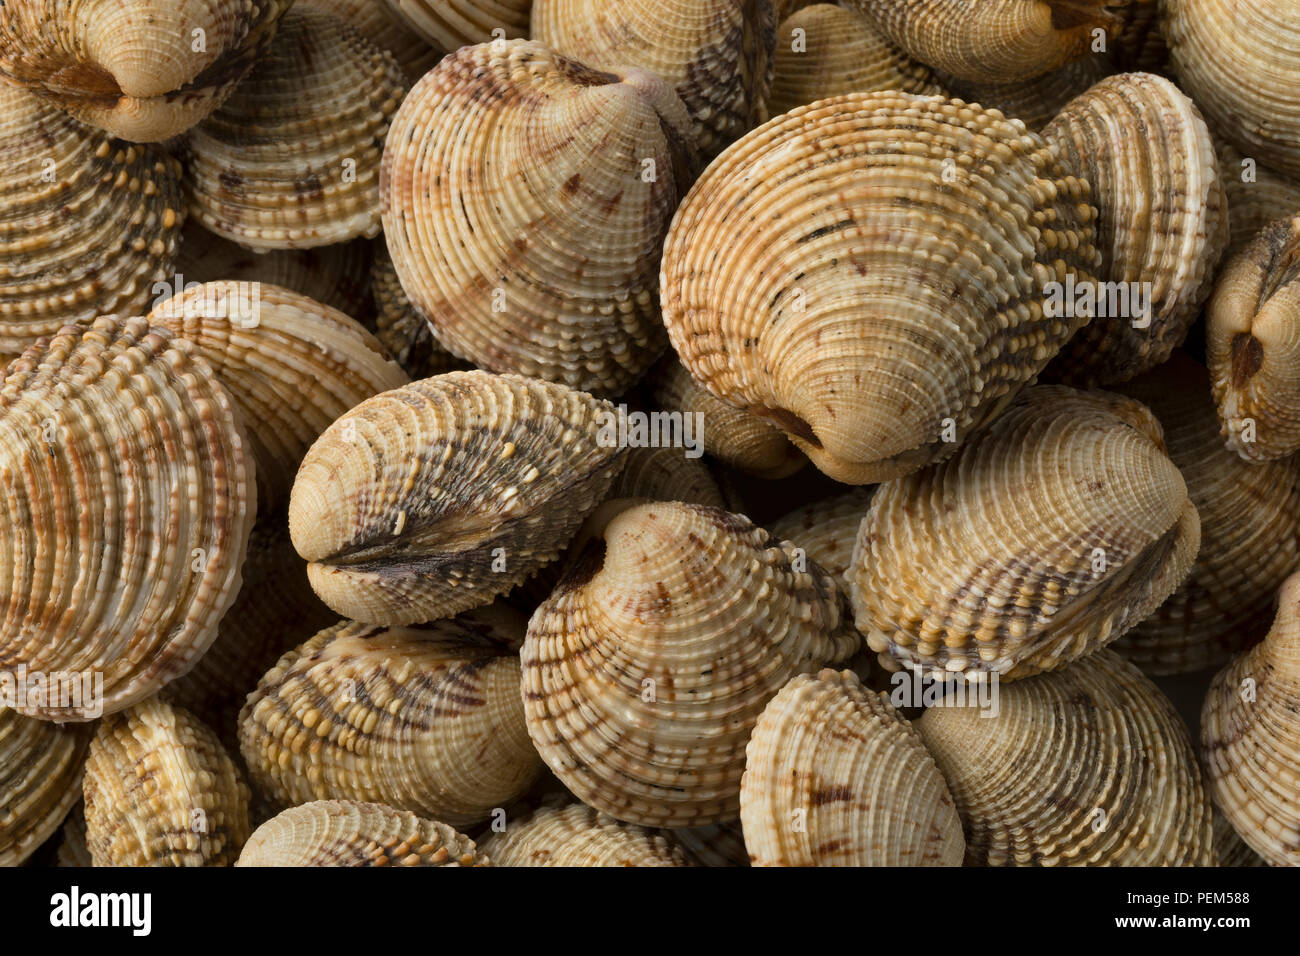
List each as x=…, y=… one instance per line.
x=577, y=835
x=827, y=529
x=40, y=777
x=451, y=24
x=380, y=24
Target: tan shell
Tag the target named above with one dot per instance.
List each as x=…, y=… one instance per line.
x=40, y=776
x=72, y=850
x=1250, y=532
x=1037, y=100
x=547, y=266
x=647, y=668
x=666, y=474
x=717, y=54
x=401, y=328
x=424, y=720
x=292, y=366
x=1230, y=848
x=718, y=844
x=1163, y=220
x=437, y=497
x=346, y=833
x=579, y=836
x=1241, y=63
x=384, y=28
x=1089, y=765
x=1252, y=347
x=89, y=223
x=161, y=791
x=796, y=285
x=131, y=66
x=291, y=161
x=1257, y=196
x=128, y=498
x=1250, y=737
x=451, y=24
x=826, y=529
x=1059, y=528
x=732, y=435
x=992, y=41
x=834, y=776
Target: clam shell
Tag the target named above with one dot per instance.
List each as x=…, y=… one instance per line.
x=1252, y=348
x=826, y=529
x=1059, y=528
x=1250, y=532
x=140, y=69
x=1037, y=100
x=1141, y=44
x=291, y=161
x=88, y=224
x=401, y=328
x=291, y=364
x=579, y=836
x=718, y=844
x=1230, y=848
x=1163, y=219
x=346, y=833
x=429, y=721
x=128, y=498
x=1088, y=765
x=1250, y=737
x=666, y=474
x=717, y=54
x=40, y=778
x=1257, y=196
x=834, y=776
x=161, y=791
x=798, y=284
x=384, y=28
x=439, y=496
x=72, y=850
x=451, y=24
x=547, y=265
x=645, y=671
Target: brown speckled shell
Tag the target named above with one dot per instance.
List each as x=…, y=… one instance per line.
x=40, y=778
x=577, y=835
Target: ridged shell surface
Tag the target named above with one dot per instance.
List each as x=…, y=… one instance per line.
x=128, y=497
x=437, y=497
x=666, y=474
x=451, y=24
x=1059, y=528
x=577, y=835
x=1230, y=848
x=160, y=790
x=40, y=777
x=400, y=326
x=1257, y=196
x=1087, y=766
x=1037, y=100
x=545, y=266
x=867, y=273
x=826, y=529
x=291, y=161
x=384, y=28
x=72, y=850
x=834, y=776
x=645, y=671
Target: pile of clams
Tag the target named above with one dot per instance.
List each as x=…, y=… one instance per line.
x=654, y=433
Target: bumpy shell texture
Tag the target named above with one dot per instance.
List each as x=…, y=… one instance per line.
x=867, y=273
x=291, y=161
x=128, y=498
x=579, y=836
x=88, y=224
x=451, y=24
x=346, y=833
x=429, y=721
x=1089, y=765
x=525, y=202
x=401, y=328
x=1257, y=196
x=717, y=54
x=161, y=791
x=1059, y=528
x=827, y=529
x=1252, y=343
x=666, y=474
x=384, y=28
x=1035, y=101
x=647, y=668
x=40, y=777
x=1163, y=222
x=439, y=496
x=1250, y=738
x=834, y=776
x=144, y=70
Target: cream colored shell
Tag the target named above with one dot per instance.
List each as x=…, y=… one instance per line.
x=577, y=835
x=401, y=328
x=451, y=24
x=380, y=24
x=826, y=529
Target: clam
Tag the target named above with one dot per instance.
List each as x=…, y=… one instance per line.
x=1257, y=196
x=87, y=223
x=40, y=776
x=140, y=69
x=717, y=54
x=1250, y=532
x=1252, y=347
x=72, y=850
x=346, y=833
x=1057, y=530
x=645, y=671
x=826, y=529
x=401, y=328
x=1088, y=765
x=160, y=790
x=385, y=28
x=1241, y=63
x=527, y=239
x=439, y=496
x=292, y=366
x=451, y=24
x=1230, y=848
x=834, y=776
x=291, y=160
x=128, y=499
x=733, y=435
x=1250, y=737
x=1163, y=222
x=577, y=835
x=1037, y=100
x=429, y=721
x=867, y=273
x=666, y=474
x=718, y=844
